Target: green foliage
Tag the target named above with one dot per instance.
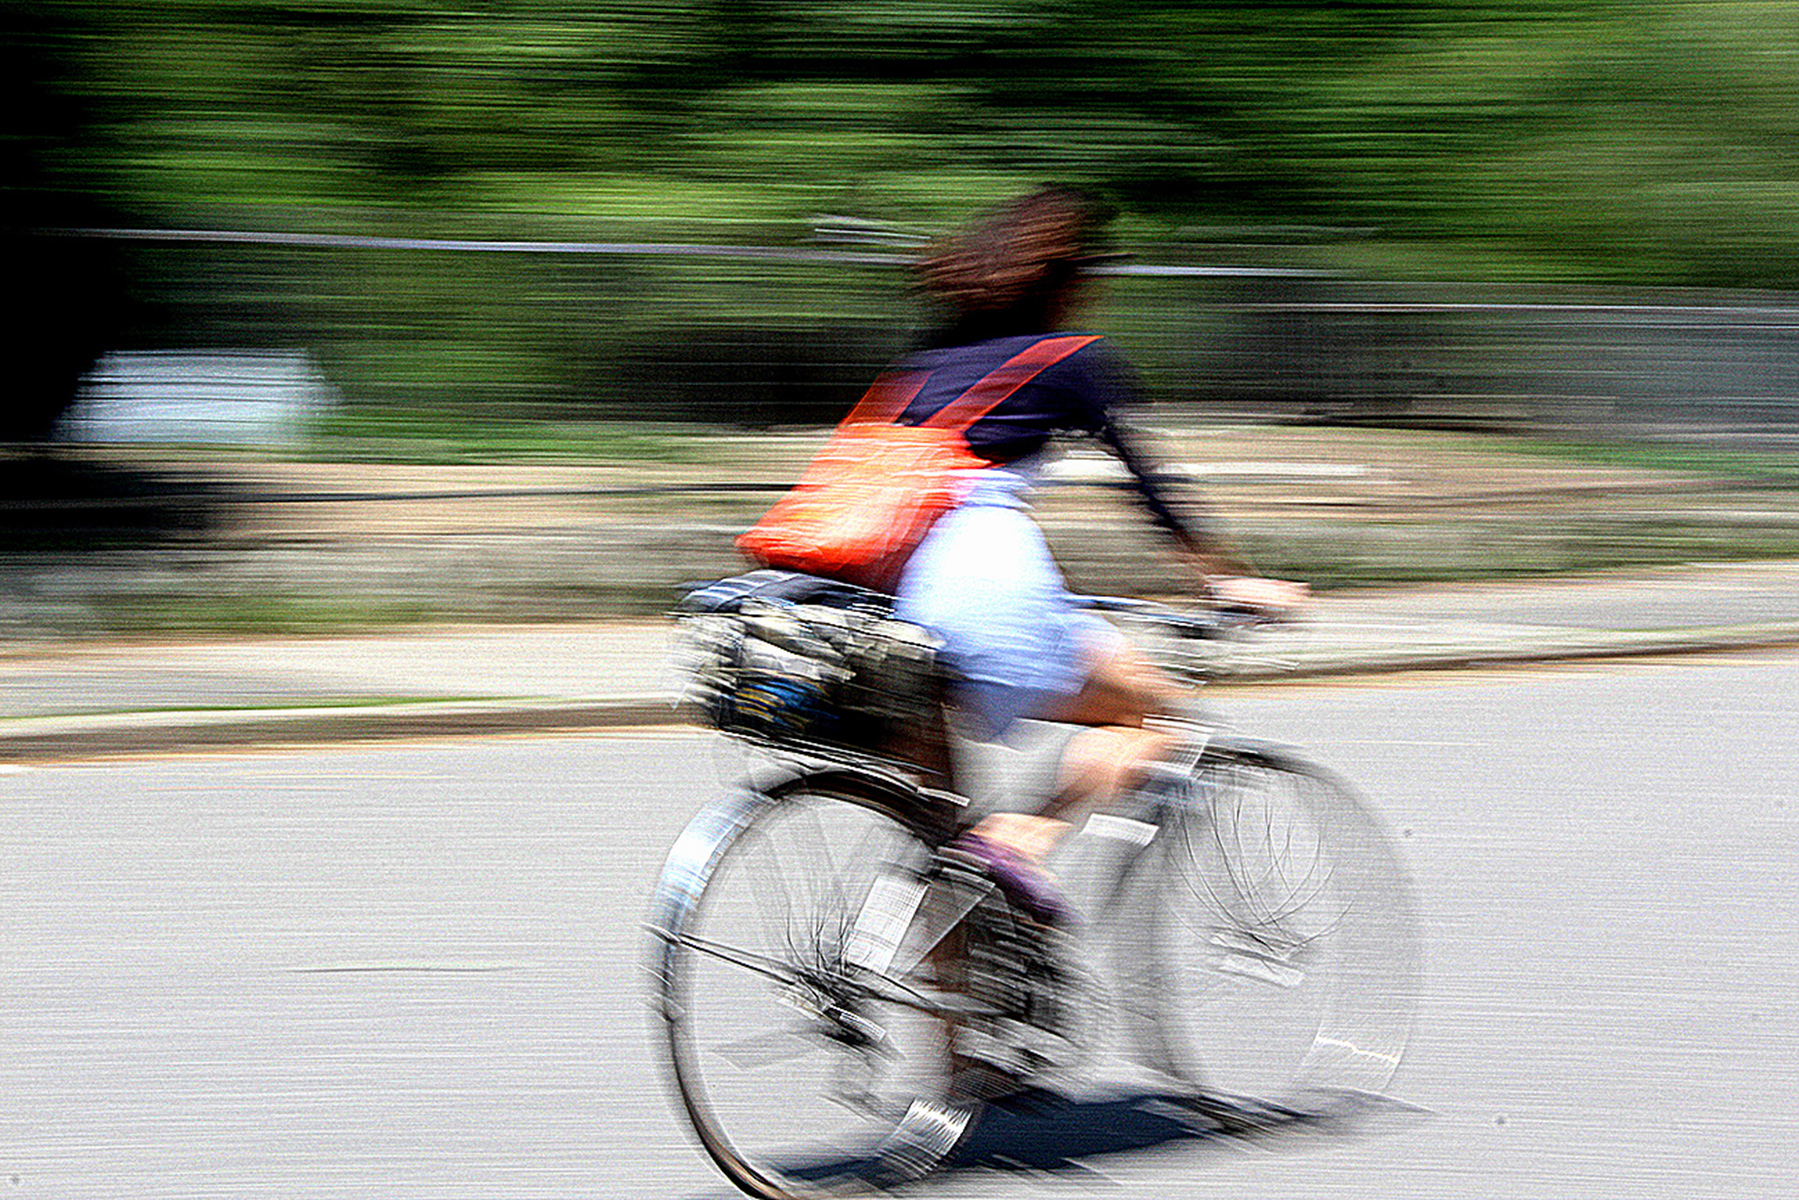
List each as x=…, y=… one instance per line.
x=1772, y=470
x=413, y=435
x=1639, y=141
x=1647, y=140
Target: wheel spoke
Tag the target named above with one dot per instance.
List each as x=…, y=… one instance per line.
x=772, y=900
x=761, y=964
x=775, y=1047
x=1280, y=961
x=782, y=1050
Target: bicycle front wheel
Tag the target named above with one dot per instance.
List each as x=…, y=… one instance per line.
x=796, y=1056
x=1276, y=956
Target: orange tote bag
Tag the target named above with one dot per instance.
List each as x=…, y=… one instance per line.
x=874, y=491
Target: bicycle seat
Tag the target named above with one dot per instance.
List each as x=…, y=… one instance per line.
x=779, y=588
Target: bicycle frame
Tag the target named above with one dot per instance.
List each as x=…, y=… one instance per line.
x=1198, y=855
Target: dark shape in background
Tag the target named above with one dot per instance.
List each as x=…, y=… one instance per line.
x=72, y=299
x=64, y=308
x=752, y=376
x=54, y=504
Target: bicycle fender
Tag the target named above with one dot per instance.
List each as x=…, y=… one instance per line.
x=1235, y=745
x=925, y=807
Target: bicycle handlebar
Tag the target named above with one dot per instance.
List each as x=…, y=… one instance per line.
x=1196, y=623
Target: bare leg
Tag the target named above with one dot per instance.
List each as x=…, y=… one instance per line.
x=1101, y=761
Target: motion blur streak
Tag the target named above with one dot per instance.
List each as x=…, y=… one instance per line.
x=1569, y=220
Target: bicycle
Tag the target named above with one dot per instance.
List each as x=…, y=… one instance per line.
x=822, y=966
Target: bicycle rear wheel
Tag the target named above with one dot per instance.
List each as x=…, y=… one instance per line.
x=795, y=1052
x=1275, y=956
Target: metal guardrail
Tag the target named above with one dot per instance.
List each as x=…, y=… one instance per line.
x=699, y=343
x=794, y=254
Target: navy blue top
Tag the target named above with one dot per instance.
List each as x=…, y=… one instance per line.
x=1082, y=394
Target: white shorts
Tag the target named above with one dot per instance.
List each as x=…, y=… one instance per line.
x=983, y=579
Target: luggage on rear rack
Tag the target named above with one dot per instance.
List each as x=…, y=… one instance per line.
x=795, y=661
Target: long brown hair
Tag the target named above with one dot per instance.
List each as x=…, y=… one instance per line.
x=1009, y=273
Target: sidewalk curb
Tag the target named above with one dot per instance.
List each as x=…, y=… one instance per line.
x=1523, y=651
x=113, y=735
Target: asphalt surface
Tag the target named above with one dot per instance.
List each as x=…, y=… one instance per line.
x=73, y=699
x=413, y=970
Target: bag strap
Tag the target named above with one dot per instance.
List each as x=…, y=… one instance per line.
x=890, y=395
x=887, y=398
x=994, y=387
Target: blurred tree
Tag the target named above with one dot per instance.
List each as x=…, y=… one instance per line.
x=1649, y=141
x=1608, y=138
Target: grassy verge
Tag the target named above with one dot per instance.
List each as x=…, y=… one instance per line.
x=1330, y=556
x=199, y=613
x=427, y=437
x=1351, y=556
x=308, y=703
x=1771, y=469
x=1377, y=526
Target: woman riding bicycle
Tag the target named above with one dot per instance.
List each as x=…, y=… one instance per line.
x=844, y=991
x=983, y=578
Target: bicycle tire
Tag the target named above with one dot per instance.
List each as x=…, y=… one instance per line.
x=792, y=1074
x=1273, y=963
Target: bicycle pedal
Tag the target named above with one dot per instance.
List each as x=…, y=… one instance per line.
x=926, y=1135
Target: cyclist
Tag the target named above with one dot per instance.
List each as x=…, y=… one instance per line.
x=983, y=578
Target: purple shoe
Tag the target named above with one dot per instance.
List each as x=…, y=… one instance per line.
x=1024, y=882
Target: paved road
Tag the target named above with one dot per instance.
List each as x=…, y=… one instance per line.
x=412, y=970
